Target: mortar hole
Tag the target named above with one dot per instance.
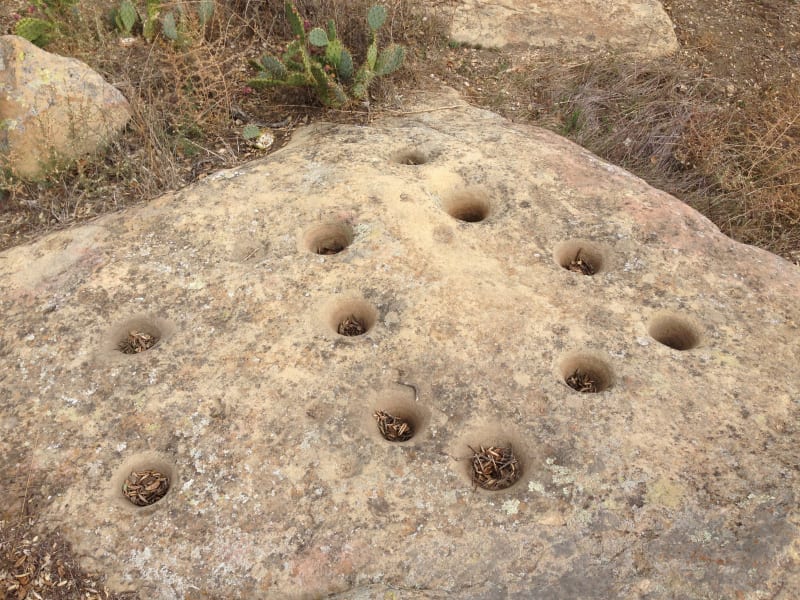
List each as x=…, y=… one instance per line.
x=138, y=339
x=470, y=206
x=351, y=326
x=411, y=156
x=145, y=487
x=395, y=427
x=397, y=416
x=579, y=256
x=494, y=467
x=329, y=238
x=352, y=318
x=674, y=331
x=586, y=374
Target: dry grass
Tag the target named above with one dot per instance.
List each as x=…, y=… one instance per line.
x=733, y=156
x=737, y=160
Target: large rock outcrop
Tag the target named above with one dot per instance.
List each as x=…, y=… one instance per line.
x=633, y=27
x=490, y=264
x=53, y=109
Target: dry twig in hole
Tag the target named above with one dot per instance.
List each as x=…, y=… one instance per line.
x=582, y=382
x=494, y=467
x=137, y=341
x=393, y=429
x=581, y=266
x=146, y=487
x=351, y=326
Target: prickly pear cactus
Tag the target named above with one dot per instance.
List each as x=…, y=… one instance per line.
x=389, y=60
x=36, y=31
x=332, y=73
x=125, y=18
x=376, y=17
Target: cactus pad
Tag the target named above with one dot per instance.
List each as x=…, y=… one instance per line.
x=376, y=17
x=389, y=60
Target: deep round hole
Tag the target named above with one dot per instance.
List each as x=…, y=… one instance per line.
x=136, y=336
x=494, y=468
x=586, y=373
x=492, y=457
x=144, y=487
x=674, y=331
x=579, y=256
x=328, y=238
x=352, y=318
x=411, y=156
x=138, y=340
x=470, y=206
x=142, y=481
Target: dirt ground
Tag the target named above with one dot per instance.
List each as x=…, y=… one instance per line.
x=740, y=57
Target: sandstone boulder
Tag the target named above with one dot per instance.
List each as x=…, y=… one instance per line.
x=53, y=109
x=636, y=27
x=485, y=270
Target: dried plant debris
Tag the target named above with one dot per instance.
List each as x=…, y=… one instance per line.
x=494, y=467
x=146, y=487
x=580, y=265
x=393, y=429
x=352, y=326
x=583, y=382
x=137, y=341
x=43, y=565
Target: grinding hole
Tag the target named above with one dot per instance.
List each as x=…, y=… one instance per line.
x=411, y=156
x=143, y=481
x=586, y=374
x=137, y=341
x=396, y=415
x=352, y=318
x=579, y=256
x=351, y=326
x=581, y=381
x=470, y=206
x=494, y=467
x=394, y=428
x=135, y=336
x=673, y=331
x=329, y=238
x=145, y=487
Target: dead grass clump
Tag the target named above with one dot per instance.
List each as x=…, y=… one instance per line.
x=753, y=150
x=45, y=566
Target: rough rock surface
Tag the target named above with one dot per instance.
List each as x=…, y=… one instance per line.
x=679, y=479
x=637, y=27
x=52, y=109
